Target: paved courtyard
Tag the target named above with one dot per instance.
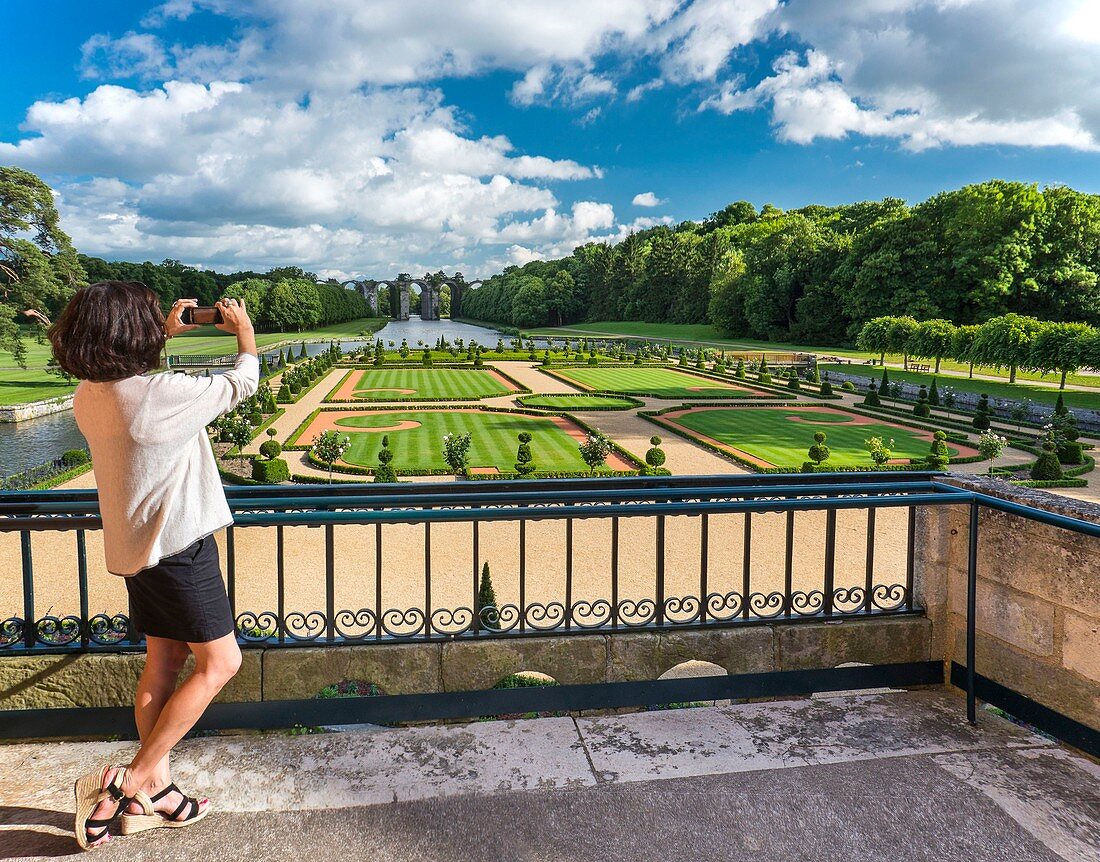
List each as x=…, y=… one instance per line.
x=895, y=776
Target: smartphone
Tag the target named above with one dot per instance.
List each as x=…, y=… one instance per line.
x=202, y=315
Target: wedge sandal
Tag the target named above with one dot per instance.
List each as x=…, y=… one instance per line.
x=90, y=792
x=151, y=819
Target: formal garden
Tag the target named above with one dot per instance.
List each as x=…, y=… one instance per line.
x=421, y=384
x=780, y=436
x=652, y=381
x=473, y=442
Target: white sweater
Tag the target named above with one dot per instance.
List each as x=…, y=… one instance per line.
x=159, y=489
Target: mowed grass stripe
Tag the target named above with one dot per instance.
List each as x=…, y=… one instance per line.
x=454, y=383
x=660, y=382
x=494, y=440
x=782, y=436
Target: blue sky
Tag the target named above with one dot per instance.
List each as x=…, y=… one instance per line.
x=363, y=138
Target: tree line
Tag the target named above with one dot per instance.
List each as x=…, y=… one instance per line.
x=40, y=270
x=815, y=275
x=1011, y=341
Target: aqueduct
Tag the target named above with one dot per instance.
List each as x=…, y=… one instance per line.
x=399, y=295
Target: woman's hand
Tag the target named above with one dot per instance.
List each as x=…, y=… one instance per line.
x=235, y=317
x=172, y=323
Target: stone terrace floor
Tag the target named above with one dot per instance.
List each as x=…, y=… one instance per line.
x=894, y=776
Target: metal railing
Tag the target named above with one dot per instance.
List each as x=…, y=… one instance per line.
x=568, y=502
x=837, y=593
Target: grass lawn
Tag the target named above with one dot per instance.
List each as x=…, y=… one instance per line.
x=34, y=383
x=781, y=435
x=578, y=402
x=493, y=439
x=994, y=388
x=658, y=382
x=705, y=334
x=458, y=384
x=213, y=341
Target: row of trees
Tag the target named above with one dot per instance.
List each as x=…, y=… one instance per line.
x=816, y=274
x=1011, y=341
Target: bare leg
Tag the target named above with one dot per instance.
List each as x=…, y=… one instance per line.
x=215, y=664
x=164, y=660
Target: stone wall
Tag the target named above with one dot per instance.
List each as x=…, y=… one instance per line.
x=35, y=409
x=1038, y=597
x=103, y=679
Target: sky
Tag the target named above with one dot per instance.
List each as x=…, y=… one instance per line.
x=362, y=138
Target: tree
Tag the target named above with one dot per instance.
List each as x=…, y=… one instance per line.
x=1046, y=467
x=880, y=452
x=655, y=455
x=902, y=330
x=385, y=472
x=456, y=451
x=329, y=447
x=1060, y=347
x=238, y=431
x=1006, y=341
x=525, y=462
x=938, y=458
x=488, y=617
x=819, y=451
x=39, y=269
x=962, y=346
x=595, y=450
x=932, y=339
x=876, y=336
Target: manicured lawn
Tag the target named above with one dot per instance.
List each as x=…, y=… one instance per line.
x=658, y=382
x=213, y=341
x=700, y=333
x=454, y=383
x=493, y=439
x=578, y=402
x=781, y=435
x=34, y=383
x=994, y=389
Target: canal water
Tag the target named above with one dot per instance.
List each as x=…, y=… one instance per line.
x=25, y=444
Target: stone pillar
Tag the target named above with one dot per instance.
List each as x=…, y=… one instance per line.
x=403, y=308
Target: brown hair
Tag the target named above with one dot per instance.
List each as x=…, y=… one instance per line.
x=108, y=331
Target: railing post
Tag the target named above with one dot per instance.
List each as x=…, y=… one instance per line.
x=427, y=579
x=330, y=584
x=746, y=565
x=615, y=571
x=475, y=623
x=830, y=562
x=378, y=581
x=869, y=574
x=910, y=558
x=82, y=585
x=568, y=572
x=29, y=628
x=659, y=617
x=280, y=583
x=788, y=565
x=971, y=612
x=704, y=564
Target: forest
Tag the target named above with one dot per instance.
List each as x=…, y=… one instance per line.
x=815, y=275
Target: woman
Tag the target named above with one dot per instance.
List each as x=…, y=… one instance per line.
x=161, y=501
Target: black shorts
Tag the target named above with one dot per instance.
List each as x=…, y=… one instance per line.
x=182, y=597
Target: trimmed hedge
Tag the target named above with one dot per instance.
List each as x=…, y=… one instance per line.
x=270, y=472
x=61, y=478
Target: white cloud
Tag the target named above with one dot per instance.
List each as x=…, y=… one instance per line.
x=647, y=199
x=931, y=74
x=313, y=133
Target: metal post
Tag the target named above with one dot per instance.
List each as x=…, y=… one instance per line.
x=704, y=560
x=330, y=584
x=830, y=562
x=788, y=565
x=522, y=574
x=746, y=564
x=427, y=579
x=869, y=576
x=660, y=590
x=280, y=583
x=29, y=628
x=568, y=572
x=475, y=622
x=615, y=571
x=82, y=585
x=911, y=551
x=378, y=580
x=971, y=613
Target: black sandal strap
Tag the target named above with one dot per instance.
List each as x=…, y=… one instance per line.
x=159, y=796
x=104, y=823
x=179, y=809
